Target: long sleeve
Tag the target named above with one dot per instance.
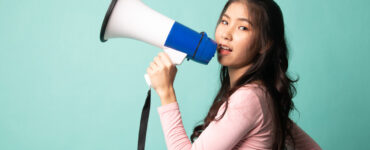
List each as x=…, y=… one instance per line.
x=247, y=125
x=242, y=116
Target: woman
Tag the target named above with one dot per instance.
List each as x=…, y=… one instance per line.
x=251, y=109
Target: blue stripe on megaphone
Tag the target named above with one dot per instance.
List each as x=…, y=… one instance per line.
x=186, y=40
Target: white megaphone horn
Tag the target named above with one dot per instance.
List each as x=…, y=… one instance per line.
x=134, y=19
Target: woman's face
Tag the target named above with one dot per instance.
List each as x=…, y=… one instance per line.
x=234, y=37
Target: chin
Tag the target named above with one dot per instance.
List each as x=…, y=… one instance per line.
x=222, y=62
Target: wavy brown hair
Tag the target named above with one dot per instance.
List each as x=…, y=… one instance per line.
x=269, y=67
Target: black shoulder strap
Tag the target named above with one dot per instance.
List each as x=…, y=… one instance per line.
x=144, y=122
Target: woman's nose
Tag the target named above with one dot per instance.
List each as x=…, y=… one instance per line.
x=227, y=35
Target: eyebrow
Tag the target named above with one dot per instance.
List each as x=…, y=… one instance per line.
x=241, y=19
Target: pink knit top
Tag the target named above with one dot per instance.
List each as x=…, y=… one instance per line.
x=246, y=125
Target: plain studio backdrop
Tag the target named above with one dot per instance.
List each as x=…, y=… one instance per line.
x=62, y=89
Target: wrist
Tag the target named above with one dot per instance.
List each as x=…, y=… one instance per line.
x=167, y=95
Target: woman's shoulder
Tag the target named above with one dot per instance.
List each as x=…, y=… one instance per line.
x=252, y=89
x=248, y=101
x=249, y=95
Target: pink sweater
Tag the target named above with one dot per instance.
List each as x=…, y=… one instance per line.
x=247, y=124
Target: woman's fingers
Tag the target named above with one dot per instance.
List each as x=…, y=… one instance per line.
x=165, y=59
x=149, y=70
x=161, y=72
x=153, y=66
x=160, y=62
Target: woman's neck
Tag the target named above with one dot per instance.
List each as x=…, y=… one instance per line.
x=236, y=73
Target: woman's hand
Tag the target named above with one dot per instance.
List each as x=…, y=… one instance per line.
x=162, y=74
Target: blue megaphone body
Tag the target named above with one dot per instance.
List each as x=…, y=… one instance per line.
x=198, y=47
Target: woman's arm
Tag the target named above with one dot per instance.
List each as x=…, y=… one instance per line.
x=162, y=75
x=243, y=114
x=167, y=96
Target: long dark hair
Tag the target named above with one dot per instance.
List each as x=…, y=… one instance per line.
x=269, y=67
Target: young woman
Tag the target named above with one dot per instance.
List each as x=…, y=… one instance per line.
x=251, y=109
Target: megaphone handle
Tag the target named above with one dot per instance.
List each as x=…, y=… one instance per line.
x=177, y=57
x=147, y=80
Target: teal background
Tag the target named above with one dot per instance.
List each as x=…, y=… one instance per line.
x=61, y=88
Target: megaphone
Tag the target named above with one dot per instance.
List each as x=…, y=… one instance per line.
x=133, y=19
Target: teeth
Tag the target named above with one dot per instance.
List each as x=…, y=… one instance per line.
x=226, y=48
x=223, y=47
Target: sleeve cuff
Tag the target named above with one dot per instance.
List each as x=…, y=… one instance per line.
x=168, y=107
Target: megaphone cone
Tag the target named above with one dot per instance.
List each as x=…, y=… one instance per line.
x=134, y=19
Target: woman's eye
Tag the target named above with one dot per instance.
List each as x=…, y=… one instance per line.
x=224, y=22
x=243, y=28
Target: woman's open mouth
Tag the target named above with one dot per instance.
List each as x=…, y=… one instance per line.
x=224, y=50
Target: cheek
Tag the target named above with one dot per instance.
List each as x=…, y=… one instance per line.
x=218, y=34
x=220, y=30
x=243, y=41
x=244, y=52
